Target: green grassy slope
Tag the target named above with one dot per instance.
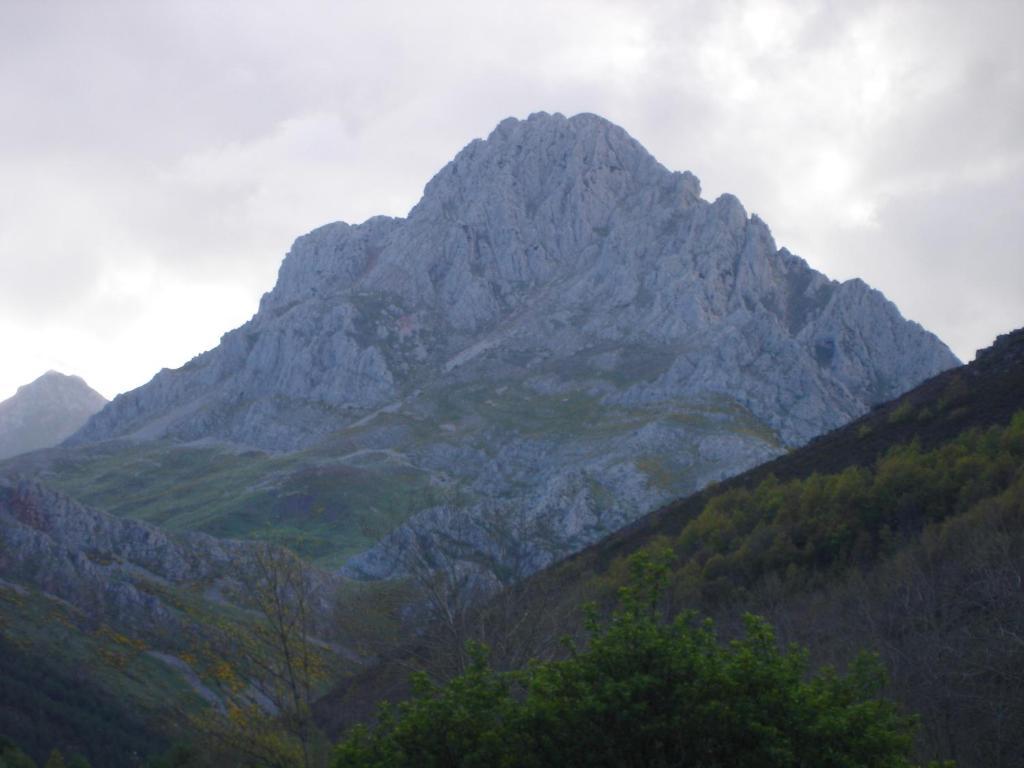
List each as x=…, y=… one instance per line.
x=324, y=510
x=81, y=687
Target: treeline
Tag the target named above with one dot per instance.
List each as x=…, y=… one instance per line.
x=919, y=557
x=808, y=531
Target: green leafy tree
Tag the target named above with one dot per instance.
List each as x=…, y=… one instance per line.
x=646, y=693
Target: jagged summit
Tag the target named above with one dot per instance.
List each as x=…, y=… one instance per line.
x=509, y=213
x=545, y=157
x=45, y=411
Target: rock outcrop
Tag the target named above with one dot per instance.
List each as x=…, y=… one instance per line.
x=122, y=573
x=562, y=332
x=45, y=412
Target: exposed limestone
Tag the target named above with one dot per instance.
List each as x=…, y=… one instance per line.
x=118, y=572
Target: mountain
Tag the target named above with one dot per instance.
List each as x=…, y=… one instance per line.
x=45, y=412
x=561, y=334
x=901, y=533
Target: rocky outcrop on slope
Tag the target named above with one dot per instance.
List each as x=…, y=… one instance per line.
x=1006, y=353
x=118, y=572
x=161, y=623
x=561, y=327
x=45, y=412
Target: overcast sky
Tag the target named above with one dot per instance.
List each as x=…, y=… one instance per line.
x=158, y=158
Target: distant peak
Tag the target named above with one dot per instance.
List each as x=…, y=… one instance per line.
x=52, y=374
x=53, y=381
x=58, y=377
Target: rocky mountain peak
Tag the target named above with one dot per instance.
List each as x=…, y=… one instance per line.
x=45, y=411
x=550, y=236
x=553, y=268
x=547, y=155
x=529, y=171
x=54, y=381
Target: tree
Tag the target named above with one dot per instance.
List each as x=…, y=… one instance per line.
x=645, y=692
x=266, y=673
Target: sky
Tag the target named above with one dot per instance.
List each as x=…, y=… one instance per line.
x=158, y=158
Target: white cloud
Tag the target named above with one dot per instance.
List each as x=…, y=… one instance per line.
x=159, y=157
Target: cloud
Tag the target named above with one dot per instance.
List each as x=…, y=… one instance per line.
x=160, y=157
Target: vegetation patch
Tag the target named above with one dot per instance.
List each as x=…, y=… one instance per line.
x=645, y=693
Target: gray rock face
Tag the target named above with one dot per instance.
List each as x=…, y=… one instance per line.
x=561, y=326
x=120, y=572
x=94, y=561
x=45, y=412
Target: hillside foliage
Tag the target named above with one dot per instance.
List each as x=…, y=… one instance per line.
x=43, y=704
x=919, y=556
x=812, y=529
x=644, y=692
